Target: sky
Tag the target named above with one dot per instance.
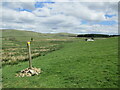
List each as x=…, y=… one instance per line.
x=69, y=16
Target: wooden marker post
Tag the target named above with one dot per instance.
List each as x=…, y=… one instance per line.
x=29, y=54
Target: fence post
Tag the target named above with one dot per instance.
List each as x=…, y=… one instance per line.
x=29, y=54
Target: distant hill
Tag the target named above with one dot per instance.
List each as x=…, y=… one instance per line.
x=21, y=33
x=65, y=34
x=8, y=33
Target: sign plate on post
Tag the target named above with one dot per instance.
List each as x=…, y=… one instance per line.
x=28, y=42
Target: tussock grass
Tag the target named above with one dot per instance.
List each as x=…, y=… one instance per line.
x=14, y=47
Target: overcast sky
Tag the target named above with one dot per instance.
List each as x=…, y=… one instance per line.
x=48, y=16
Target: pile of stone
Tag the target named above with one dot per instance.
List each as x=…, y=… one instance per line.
x=29, y=72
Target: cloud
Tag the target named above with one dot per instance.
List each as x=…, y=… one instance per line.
x=94, y=29
x=60, y=17
x=18, y=17
x=42, y=12
x=77, y=10
x=62, y=0
x=19, y=5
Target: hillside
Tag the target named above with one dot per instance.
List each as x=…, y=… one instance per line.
x=14, y=42
x=8, y=33
x=18, y=33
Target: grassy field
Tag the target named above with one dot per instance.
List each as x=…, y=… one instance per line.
x=77, y=64
x=14, y=48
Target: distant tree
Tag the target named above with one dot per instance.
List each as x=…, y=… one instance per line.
x=92, y=35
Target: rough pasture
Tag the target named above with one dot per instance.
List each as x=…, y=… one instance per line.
x=77, y=64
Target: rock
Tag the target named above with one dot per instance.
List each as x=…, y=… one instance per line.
x=29, y=72
x=23, y=75
x=32, y=72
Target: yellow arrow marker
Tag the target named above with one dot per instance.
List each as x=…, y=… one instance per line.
x=28, y=42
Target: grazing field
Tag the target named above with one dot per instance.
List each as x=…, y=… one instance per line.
x=77, y=64
x=14, y=45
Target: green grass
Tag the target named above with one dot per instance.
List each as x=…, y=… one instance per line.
x=78, y=64
x=14, y=48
